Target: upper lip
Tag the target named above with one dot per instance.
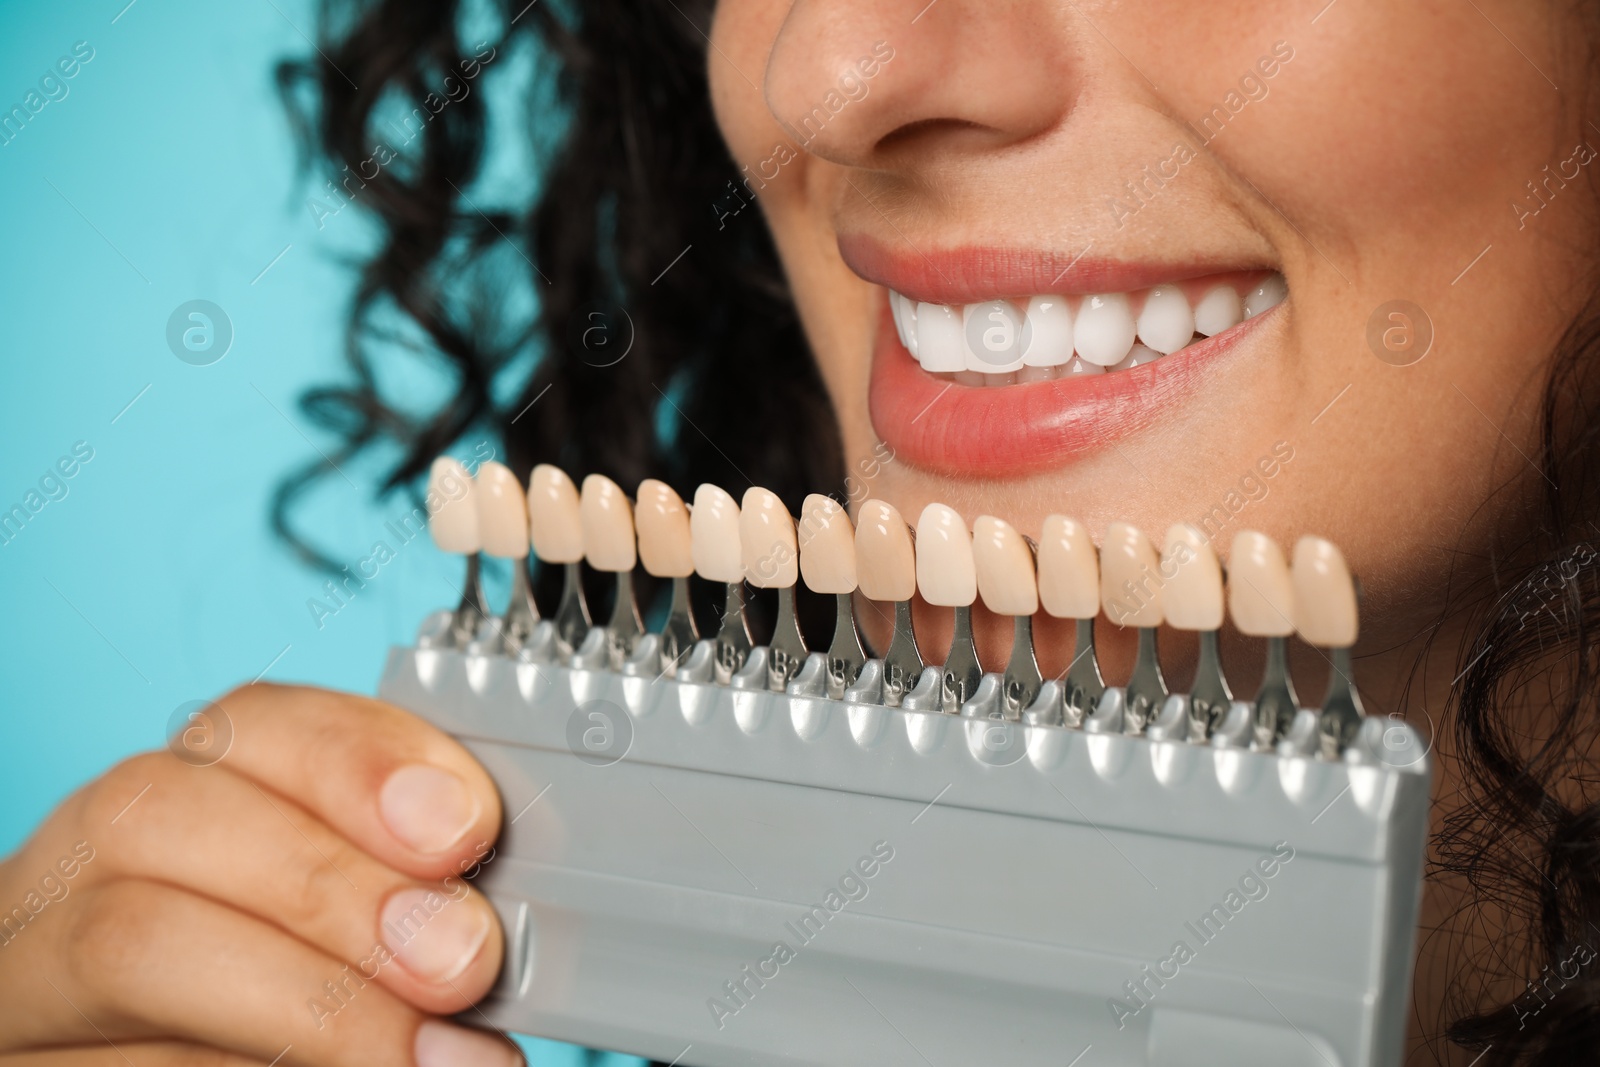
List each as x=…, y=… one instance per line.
x=969, y=275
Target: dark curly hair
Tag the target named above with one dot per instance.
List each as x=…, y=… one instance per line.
x=629, y=230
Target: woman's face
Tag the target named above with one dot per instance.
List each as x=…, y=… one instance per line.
x=1037, y=153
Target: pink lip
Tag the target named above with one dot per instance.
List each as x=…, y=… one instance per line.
x=977, y=432
x=970, y=275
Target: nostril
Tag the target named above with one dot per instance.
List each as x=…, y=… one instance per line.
x=912, y=132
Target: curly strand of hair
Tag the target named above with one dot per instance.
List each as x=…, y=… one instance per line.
x=623, y=216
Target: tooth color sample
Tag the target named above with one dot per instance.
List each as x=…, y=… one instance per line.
x=1166, y=323
x=1192, y=597
x=827, y=546
x=1130, y=578
x=714, y=535
x=1004, y=566
x=1050, y=328
x=886, y=561
x=766, y=536
x=502, y=512
x=1069, y=570
x=454, y=520
x=1325, y=611
x=665, y=546
x=607, y=525
x=554, y=516
x=1260, y=593
x=946, y=574
x=1220, y=309
x=1103, y=331
x=940, y=346
x=1266, y=296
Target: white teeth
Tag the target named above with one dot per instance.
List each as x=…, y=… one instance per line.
x=996, y=336
x=905, y=320
x=1166, y=323
x=1219, y=310
x=1266, y=296
x=1104, y=330
x=992, y=343
x=1050, y=333
x=1138, y=356
x=940, y=347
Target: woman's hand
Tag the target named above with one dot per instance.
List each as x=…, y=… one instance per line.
x=297, y=901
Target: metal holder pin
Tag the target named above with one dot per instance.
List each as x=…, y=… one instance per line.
x=678, y=633
x=572, y=614
x=902, y=663
x=846, y=657
x=787, y=649
x=1146, y=689
x=1022, y=679
x=1209, y=696
x=470, y=614
x=733, y=641
x=1276, y=701
x=962, y=671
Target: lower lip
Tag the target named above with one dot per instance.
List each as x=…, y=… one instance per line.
x=1012, y=431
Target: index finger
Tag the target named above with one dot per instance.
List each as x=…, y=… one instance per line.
x=391, y=783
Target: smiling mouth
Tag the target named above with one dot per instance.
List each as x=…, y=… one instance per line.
x=1042, y=338
x=971, y=379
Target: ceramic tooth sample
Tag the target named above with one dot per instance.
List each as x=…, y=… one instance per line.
x=1130, y=592
x=828, y=565
x=1192, y=599
x=1008, y=585
x=719, y=557
x=1261, y=604
x=1069, y=588
x=947, y=578
x=886, y=567
x=608, y=544
x=666, y=551
x=503, y=523
x=1326, y=614
x=555, y=520
x=453, y=522
x=772, y=561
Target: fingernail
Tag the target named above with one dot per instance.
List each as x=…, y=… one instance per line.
x=433, y=936
x=442, y=1045
x=427, y=808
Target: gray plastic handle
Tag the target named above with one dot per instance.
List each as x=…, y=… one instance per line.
x=724, y=876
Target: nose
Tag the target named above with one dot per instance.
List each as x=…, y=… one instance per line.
x=857, y=81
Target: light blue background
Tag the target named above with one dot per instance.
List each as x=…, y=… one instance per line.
x=167, y=174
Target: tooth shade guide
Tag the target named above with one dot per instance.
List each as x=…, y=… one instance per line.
x=827, y=544
x=555, y=516
x=502, y=512
x=1192, y=597
x=608, y=529
x=714, y=536
x=453, y=519
x=1325, y=609
x=1260, y=589
x=946, y=573
x=1130, y=580
x=886, y=562
x=769, y=550
x=1004, y=568
x=665, y=543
